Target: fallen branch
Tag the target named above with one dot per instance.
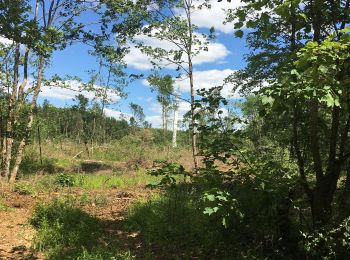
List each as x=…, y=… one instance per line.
x=77, y=154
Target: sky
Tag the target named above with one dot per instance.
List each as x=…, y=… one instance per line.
x=224, y=56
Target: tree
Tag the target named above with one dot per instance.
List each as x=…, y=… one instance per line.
x=163, y=85
x=300, y=48
x=41, y=28
x=138, y=118
x=170, y=22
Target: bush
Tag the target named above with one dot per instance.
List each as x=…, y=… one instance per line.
x=23, y=188
x=63, y=230
x=329, y=243
x=174, y=221
x=31, y=164
x=66, y=180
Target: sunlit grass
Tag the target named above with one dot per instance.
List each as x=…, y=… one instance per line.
x=96, y=181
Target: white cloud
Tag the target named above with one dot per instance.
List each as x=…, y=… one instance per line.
x=205, y=79
x=117, y=114
x=217, y=52
x=156, y=121
x=73, y=89
x=215, y=16
x=5, y=41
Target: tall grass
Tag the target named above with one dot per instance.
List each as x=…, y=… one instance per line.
x=66, y=232
x=175, y=222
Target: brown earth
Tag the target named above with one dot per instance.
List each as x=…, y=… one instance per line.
x=16, y=234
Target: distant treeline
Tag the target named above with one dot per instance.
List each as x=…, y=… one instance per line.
x=83, y=123
x=80, y=123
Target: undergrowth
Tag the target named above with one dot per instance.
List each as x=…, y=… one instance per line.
x=66, y=232
x=175, y=221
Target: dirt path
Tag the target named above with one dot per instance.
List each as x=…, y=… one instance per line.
x=16, y=234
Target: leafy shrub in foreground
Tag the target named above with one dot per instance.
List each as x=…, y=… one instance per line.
x=174, y=221
x=63, y=230
x=65, y=180
x=331, y=243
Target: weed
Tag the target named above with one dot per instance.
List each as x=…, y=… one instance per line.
x=65, y=180
x=100, y=200
x=66, y=232
x=4, y=207
x=84, y=199
x=63, y=230
x=102, y=254
x=23, y=188
x=163, y=219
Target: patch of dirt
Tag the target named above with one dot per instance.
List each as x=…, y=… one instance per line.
x=16, y=234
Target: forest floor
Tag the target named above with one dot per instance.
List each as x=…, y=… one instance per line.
x=16, y=233
x=105, y=190
x=109, y=207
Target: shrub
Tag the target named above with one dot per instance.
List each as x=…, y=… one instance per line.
x=63, y=230
x=66, y=180
x=23, y=188
x=4, y=207
x=174, y=221
x=329, y=243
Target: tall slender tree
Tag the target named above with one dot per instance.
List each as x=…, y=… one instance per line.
x=35, y=29
x=169, y=22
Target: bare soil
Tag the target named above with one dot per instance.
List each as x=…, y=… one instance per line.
x=16, y=234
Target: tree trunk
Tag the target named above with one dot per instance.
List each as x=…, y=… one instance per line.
x=22, y=145
x=175, y=121
x=190, y=75
x=7, y=156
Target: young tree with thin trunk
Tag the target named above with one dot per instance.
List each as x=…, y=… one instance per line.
x=163, y=85
x=169, y=22
x=35, y=30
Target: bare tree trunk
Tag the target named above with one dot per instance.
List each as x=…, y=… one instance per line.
x=7, y=156
x=22, y=145
x=175, y=121
x=187, y=5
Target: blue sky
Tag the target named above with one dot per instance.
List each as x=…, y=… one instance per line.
x=224, y=56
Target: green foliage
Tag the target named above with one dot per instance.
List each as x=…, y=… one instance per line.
x=220, y=205
x=169, y=172
x=328, y=243
x=31, y=164
x=66, y=180
x=103, y=254
x=23, y=188
x=164, y=218
x=4, y=206
x=65, y=232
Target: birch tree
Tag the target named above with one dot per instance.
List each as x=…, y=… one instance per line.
x=169, y=22
x=35, y=31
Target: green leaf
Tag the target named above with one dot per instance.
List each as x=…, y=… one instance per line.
x=267, y=100
x=322, y=69
x=210, y=197
x=208, y=211
x=224, y=222
x=239, y=33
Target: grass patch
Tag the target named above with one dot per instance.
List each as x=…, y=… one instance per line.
x=24, y=188
x=173, y=221
x=65, y=180
x=3, y=206
x=93, y=181
x=66, y=232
